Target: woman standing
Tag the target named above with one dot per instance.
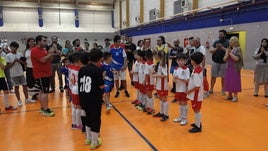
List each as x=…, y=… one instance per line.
x=261, y=69
x=29, y=69
x=234, y=62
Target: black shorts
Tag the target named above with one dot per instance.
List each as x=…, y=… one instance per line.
x=3, y=84
x=29, y=77
x=43, y=84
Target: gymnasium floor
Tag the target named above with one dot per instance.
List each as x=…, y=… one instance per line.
x=227, y=126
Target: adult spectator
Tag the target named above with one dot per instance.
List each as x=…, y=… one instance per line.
x=76, y=45
x=56, y=64
x=119, y=64
x=30, y=43
x=199, y=48
x=261, y=69
x=41, y=58
x=234, y=62
x=174, y=51
x=218, y=65
x=107, y=45
x=86, y=45
x=130, y=48
x=140, y=45
x=68, y=48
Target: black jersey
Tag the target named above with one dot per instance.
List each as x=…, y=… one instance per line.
x=90, y=79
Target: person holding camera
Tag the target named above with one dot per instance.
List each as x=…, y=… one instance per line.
x=14, y=63
x=218, y=65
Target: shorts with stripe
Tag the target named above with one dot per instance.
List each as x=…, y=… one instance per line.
x=43, y=84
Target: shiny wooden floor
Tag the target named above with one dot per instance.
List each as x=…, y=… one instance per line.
x=227, y=126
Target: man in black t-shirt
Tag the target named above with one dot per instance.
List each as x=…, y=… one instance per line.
x=130, y=48
x=91, y=86
x=218, y=65
x=56, y=64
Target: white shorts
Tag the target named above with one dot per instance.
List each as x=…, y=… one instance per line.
x=121, y=74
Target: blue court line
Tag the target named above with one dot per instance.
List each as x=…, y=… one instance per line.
x=136, y=130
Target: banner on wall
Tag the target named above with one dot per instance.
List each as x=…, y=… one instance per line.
x=40, y=16
x=1, y=16
x=112, y=14
x=76, y=15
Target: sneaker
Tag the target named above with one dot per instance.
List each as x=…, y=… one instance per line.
x=87, y=141
x=178, y=119
x=140, y=107
x=229, y=98
x=256, y=94
x=110, y=105
x=11, y=91
x=73, y=126
x=108, y=108
x=61, y=90
x=51, y=91
x=10, y=108
x=20, y=103
x=121, y=87
x=138, y=103
x=34, y=97
x=134, y=102
x=205, y=95
x=150, y=111
x=193, y=125
x=117, y=94
x=94, y=146
x=158, y=115
x=164, y=118
x=127, y=94
x=48, y=112
x=210, y=91
x=183, y=122
x=28, y=100
x=174, y=101
x=235, y=99
x=195, y=129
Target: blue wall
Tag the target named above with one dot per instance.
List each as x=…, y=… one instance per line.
x=239, y=14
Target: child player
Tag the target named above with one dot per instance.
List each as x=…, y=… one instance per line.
x=162, y=86
x=195, y=90
x=74, y=68
x=181, y=77
x=135, y=76
x=149, y=81
x=108, y=78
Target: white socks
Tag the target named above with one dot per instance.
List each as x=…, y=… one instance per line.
x=94, y=137
x=150, y=102
x=73, y=115
x=184, y=111
x=5, y=99
x=198, y=119
x=88, y=133
x=78, y=117
x=165, y=107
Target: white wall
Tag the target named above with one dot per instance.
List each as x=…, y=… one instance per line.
x=26, y=19
x=134, y=11
x=149, y=5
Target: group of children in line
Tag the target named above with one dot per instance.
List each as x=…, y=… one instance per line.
x=148, y=76
x=71, y=68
